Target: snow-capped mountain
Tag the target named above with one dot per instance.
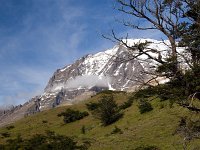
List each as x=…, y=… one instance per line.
x=113, y=69
x=92, y=73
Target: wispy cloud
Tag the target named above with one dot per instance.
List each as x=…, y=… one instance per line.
x=19, y=85
x=31, y=54
x=39, y=36
x=87, y=81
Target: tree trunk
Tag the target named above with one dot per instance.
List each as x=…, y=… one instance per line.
x=174, y=55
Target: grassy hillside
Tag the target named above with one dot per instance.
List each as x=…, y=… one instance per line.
x=156, y=127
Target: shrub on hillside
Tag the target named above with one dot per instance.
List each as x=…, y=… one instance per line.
x=92, y=106
x=116, y=130
x=127, y=104
x=10, y=127
x=108, y=111
x=144, y=106
x=106, y=92
x=44, y=121
x=147, y=147
x=189, y=128
x=50, y=141
x=72, y=115
x=5, y=134
x=146, y=92
x=83, y=129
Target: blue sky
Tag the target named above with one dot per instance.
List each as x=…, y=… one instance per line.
x=39, y=36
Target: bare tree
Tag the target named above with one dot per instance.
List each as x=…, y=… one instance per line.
x=162, y=15
x=191, y=34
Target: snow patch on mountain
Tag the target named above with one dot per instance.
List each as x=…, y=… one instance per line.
x=113, y=69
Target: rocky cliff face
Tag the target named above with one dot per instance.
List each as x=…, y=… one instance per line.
x=104, y=70
x=107, y=69
x=113, y=69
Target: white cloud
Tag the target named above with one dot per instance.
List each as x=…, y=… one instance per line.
x=86, y=81
x=22, y=84
x=51, y=37
x=51, y=45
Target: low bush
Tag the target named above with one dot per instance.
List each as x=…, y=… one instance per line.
x=162, y=106
x=5, y=134
x=146, y=92
x=116, y=130
x=50, y=141
x=127, y=104
x=92, y=106
x=147, y=147
x=108, y=111
x=44, y=121
x=83, y=129
x=189, y=129
x=144, y=106
x=106, y=92
x=72, y=115
x=10, y=127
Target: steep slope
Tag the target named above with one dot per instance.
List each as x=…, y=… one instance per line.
x=153, y=128
x=17, y=112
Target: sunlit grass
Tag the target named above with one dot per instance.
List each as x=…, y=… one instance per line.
x=156, y=127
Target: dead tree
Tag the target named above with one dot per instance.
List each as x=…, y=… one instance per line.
x=162, y=15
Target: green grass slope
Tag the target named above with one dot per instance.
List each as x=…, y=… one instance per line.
x=156, y=127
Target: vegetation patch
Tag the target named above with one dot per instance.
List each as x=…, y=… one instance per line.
x=92, y=106
x=155, y=128
x=10, y=127
x=127, y=103
x=144, y=106
x=147, y=147
x=50, y=141
x=5, y=134
x=71, y=115
x=188, y=128
x=108, y=111
x=116, y=130
x=83, y=130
